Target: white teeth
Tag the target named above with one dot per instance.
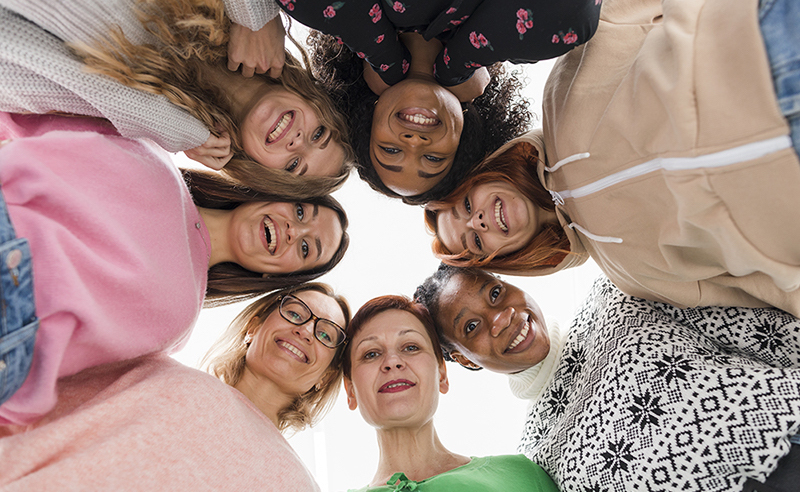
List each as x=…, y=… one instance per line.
x=498, y=216
x=270, y=234
x=419, y=119
x=294, y=350
x=285, y=119
x=522, y=335
x=395, y=385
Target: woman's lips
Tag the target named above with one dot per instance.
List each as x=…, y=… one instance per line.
x=270, y=236
x=281, y=127
x=418, y=119
x=396, y=386
x=523, y=337
x=293, y=350
x=500, y=216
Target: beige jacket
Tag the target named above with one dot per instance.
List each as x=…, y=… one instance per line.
x=669, y=159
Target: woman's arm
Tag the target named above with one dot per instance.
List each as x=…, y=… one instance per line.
x=359, y=25
x=520, y=32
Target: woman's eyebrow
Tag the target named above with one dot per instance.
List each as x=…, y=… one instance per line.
x=423, y=174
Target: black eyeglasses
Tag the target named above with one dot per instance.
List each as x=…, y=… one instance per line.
x=298, y=313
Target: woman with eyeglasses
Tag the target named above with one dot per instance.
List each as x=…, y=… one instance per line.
x=153, y=424
x=283, y=352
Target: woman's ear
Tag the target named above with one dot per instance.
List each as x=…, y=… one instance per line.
x=444, y=384
x=352, y=404
x=462, y=359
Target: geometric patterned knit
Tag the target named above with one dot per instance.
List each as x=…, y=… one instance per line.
x=38, y=74
x=649, y=397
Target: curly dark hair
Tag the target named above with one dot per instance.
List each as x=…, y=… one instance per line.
x=491, y=120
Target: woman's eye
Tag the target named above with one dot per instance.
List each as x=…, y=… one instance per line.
x=433, y=158
x=494, y=293
x=318, y=134
x=304, y=247
x=294, y=316
x=390, y=150
x=467, y=206
x=411, y=348
x=299, y=211
x=293, y=165
x=370, y=355
x=325, y=336
x=478, y=243
x=470, y=327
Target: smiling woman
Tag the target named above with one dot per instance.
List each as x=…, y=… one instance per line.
x=394, y=373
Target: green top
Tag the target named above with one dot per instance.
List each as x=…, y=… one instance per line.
x=487, y=474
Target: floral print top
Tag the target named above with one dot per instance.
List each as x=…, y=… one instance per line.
x=475, y=32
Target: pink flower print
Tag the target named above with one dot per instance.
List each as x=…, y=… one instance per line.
x=360, y=54
x=446, y=58
x=484, y=42
x=329, y=12
x=472, y=65
x=458, y=21
x=379, y=39
x=473, y=38
x=451, y=10
x=555, y=39
x=339, y=40
x=290, y=7
x=524, y=21
x=597, y=2
x=398, y=7
x=405, y=66
x=384, y=67
x=570, y=37
x=375, y=13
x=288, y=4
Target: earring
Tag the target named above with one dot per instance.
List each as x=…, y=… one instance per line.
x=247, y=339
x=318, y=386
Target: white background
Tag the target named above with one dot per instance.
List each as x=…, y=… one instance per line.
x=390, y=254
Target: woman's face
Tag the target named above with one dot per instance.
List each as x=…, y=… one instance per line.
x=282, y=131
x=492, y=324
x=395, y=378
x=280, y=237
x=288, y=355
x=416, y=128
x=491, y=217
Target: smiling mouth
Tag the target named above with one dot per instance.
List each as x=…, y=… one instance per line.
x=283, y=124
x=500, y=216
x=270, y=234
x=418, y=119
x=296, y=351
x=396, y=386
x=523, y=334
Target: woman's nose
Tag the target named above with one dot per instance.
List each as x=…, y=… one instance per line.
x=295, y=230
x=296, y=141
x=392, y=360
x=305, y=331
x=502, y=320
x=415, y=139
x=476, y=221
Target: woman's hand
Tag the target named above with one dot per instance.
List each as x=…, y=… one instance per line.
x=373, y=80
x=259, y=51
x=215, y=153
x=472, y=88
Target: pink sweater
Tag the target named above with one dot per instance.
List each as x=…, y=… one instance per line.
x=120, y=254
x=149, y=424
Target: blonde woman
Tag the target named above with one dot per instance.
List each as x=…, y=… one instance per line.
x=163, y=76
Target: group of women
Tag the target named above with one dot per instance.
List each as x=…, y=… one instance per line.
x=668, y=154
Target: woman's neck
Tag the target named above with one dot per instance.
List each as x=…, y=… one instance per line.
x=423, y=55
x=241, y=92
x=217, y=222
x=416, y=452
x=264, y=395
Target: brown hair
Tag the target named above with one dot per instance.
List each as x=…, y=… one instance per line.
x=229, y=282
x=516, y=166
x=226, y=358
x=193, y=36
x=378, y=305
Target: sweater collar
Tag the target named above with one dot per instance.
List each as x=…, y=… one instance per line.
x=530, y=383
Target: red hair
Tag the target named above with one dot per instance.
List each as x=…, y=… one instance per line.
x=516, y=166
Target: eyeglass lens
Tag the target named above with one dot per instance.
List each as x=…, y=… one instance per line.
x=295, y=311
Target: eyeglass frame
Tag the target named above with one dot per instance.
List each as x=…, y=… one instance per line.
x=312, y=316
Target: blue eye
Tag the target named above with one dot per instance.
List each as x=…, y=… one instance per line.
x=411, y=348
x=370, y=355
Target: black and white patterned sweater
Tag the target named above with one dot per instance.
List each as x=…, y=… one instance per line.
x=648, y=397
